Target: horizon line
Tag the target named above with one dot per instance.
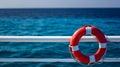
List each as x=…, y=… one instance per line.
x=55, y=7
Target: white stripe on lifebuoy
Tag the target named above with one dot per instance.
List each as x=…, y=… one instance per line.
x=88, y=30
x=75, y=48
x=92, y=58
x=102, y=45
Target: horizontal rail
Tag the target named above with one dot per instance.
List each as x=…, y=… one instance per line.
x=53, y=38
x=51, y=60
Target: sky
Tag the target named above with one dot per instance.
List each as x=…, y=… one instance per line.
x=59, y=3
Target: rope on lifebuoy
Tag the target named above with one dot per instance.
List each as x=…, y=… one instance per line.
x=74, y=49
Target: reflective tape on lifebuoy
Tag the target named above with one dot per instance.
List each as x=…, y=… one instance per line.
x=74, y=49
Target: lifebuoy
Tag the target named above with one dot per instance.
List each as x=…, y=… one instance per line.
x=74, y=49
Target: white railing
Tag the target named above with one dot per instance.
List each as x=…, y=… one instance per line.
x=51, y=60
x=52, y=39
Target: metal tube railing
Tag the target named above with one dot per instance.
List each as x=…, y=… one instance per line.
x=52, y=39
x=51, y=60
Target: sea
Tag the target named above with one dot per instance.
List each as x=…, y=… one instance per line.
x=56, y=22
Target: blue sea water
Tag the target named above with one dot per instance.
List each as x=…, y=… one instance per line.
x=55, y=22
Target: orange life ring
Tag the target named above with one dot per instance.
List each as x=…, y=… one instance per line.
x=74, y=49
